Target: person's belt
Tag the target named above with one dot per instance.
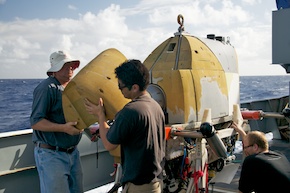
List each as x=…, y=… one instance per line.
x=55, y=148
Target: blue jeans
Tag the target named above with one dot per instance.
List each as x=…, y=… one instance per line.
x=59, y=172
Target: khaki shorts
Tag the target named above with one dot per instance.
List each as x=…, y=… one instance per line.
x=153, y=187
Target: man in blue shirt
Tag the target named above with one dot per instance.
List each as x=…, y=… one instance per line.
x=56, y=155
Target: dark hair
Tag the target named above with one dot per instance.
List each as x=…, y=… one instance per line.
x=133, y=72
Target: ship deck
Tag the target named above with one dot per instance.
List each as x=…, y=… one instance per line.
x=218, y=187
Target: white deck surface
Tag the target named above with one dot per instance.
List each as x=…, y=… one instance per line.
x=103, y=189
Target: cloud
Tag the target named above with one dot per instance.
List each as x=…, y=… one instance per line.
x=135, y=31
x=72, y=7
x=83, y=38
x=252, y=2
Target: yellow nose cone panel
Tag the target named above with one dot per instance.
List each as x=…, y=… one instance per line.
x=193, y=77
x=97, y=79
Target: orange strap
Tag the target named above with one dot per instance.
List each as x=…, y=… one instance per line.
x=167, y=133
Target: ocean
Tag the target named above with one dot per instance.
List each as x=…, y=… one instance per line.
x=16, y=96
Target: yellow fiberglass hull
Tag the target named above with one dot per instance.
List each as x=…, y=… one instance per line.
x=95, y=80
x=195, y=75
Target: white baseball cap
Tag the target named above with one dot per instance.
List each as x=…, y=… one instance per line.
x=58, y=59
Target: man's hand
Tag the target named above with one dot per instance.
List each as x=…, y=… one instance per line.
x=70, y=128
x=97, y=110
x=238, y=128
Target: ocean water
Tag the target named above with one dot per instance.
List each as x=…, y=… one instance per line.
x=254, y=88
x=16, y=96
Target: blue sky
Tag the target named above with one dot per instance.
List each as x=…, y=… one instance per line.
x=31, y=30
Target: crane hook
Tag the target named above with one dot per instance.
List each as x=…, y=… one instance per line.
x=180, y=21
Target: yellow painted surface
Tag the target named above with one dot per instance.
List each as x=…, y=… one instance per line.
x=197, y=82
x=171, y=83
x=95, y=80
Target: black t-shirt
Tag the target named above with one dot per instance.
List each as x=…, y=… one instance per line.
x=139, y=128
x=265, y=172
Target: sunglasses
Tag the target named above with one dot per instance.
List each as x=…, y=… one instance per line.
x=121, y=87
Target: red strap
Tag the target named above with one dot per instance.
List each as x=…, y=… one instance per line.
x=197, y=174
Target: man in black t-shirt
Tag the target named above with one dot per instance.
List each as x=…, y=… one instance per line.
x=263, y=171
x=139, y=128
